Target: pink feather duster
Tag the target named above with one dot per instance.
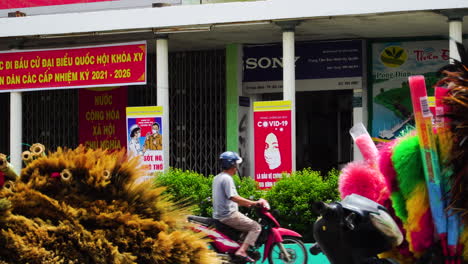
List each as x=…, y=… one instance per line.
x=386, y=166
x=360, y=178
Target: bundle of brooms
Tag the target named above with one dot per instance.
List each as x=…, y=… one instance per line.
x=83, y=206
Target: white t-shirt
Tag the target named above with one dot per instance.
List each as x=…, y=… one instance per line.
x=223, y=189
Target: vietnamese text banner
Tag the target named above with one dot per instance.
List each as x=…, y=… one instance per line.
x=97, y=66
x=272, y=141
x=102, y=117
x=8, y=4
x=60, y=6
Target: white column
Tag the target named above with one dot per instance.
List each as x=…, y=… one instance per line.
x=289, y=84
x=16, y=130
x=456, y=35
x=162, y=86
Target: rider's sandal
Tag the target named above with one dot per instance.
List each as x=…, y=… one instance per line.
x=245, y=259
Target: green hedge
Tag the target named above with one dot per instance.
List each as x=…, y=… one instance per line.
x=291, y=197
x=194, y=189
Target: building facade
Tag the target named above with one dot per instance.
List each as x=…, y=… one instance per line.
x=339, y=63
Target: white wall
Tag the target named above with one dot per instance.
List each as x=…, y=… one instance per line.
x=208, y=14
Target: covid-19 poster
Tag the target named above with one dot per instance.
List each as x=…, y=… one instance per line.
x=272, y=141
x=144, y=136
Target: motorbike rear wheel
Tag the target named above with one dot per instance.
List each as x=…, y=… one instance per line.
x=295, y=248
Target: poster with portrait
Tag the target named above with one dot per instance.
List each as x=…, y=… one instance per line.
x=144, y=136
x=272, y=141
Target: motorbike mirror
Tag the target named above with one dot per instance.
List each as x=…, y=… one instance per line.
x=349, y=220
x=275, y=213
x=324, y=209
x=318, y=207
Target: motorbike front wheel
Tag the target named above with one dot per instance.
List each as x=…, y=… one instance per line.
x=294, y=247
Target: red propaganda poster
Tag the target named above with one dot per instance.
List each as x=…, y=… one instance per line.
x=272, y=131
x=102, y=117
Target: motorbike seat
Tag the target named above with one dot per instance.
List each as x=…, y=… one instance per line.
x=211, y=222
x=361, y=205
x=206, y=221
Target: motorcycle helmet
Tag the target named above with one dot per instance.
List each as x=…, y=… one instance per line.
x=229, y=159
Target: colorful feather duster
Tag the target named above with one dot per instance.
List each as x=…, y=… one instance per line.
x=453, y=143
x=386, y=165
x=363, y=177
x=399, y=179
x=360, y=178
x=456, y=79
x=401, y=167
x=409, y=196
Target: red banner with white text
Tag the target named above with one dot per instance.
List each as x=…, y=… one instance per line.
x=97, y=66
x=9, y=4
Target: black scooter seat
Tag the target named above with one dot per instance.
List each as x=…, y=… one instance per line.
x=361, y=205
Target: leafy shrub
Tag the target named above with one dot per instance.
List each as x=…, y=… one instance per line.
x=293, y=195
x=189, y=188
x=248, y=188
x=195, y=189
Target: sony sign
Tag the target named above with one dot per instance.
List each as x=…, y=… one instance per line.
x=265, y=62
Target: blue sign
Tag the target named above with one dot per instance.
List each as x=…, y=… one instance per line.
x=314, y=60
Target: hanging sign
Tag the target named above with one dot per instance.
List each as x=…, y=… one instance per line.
x=272, y=141
x=96, y=66
x=392, y=64
x=102, y=117
x=144, y=135
x=335, y=65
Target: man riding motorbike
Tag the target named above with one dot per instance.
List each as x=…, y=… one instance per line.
x=226, y=203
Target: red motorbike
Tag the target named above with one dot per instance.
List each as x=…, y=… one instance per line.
x=281, y=245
